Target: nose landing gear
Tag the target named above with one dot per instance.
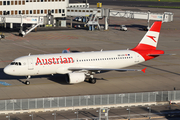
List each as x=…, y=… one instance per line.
x=27, y=82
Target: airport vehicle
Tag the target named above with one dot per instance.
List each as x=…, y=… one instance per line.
x=79, y=19
x=82, y=65
x=123, y=28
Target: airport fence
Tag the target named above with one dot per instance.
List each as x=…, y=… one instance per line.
x=88, y=100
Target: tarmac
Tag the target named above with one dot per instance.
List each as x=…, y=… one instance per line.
x=162, y=73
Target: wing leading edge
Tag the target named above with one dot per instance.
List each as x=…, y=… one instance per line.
x=104, y=69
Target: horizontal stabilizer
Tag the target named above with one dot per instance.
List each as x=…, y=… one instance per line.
x=159, y=54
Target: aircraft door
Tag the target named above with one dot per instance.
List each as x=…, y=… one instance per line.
x=30, y=64
x=136, y=57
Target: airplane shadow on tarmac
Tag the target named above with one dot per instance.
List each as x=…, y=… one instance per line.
x=58, y=78
x=159, y=69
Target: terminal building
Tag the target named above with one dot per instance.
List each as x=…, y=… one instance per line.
x=34, y=7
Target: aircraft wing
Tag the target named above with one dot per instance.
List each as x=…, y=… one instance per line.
x=104, y=69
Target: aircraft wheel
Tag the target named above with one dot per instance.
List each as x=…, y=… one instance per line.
x=27, y=82
x=92, y=80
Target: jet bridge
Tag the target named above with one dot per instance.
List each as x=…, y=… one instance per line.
x=23, y=19
x=101, y=12
x=164, y=17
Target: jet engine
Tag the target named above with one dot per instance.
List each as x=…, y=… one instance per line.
x=75, y=78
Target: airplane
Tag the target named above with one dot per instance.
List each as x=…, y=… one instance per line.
x=83, y=65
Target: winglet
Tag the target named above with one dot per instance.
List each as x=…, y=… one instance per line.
x=143, y=70
x=66, y=51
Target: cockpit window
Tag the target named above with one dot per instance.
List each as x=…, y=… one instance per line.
x=12, y=63
x=16, y=63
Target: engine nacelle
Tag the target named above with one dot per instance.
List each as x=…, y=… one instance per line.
x=76, y=78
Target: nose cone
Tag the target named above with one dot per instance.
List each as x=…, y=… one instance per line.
x=8, y=70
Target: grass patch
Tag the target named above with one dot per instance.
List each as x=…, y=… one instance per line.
x=158, y=0
x=172, y=7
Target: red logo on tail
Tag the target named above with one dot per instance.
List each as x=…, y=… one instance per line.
x=152, y=37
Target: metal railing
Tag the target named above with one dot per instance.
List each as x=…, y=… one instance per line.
x=88, y=100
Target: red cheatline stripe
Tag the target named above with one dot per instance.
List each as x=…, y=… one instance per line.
x=156, y=26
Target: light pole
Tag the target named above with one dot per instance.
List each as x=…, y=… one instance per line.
x=149, y=112
x=8, y=117
x=31, y=116
x=128, y=109
x=54, y=114
x=76, y=114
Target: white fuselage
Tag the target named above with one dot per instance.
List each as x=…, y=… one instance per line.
x=59, y=63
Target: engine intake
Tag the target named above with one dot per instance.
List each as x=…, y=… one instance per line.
x=75, y=78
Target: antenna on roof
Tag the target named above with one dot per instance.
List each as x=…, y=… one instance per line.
x=29, y=54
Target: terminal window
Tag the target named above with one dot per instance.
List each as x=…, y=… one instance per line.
x=59, y=10
x=45, y=11
x=4, y=12
x=12, y=12
x=27, y=11
x=52, y=11
x=63, y=10
x=34, y=11
x=30, y=11
x=19, y=2
x=15, y=2
x=8, y=2
x=0, y=2
x=15, y=12
x=19, y=12
x=38, y=11
x=4, y=2
x=41, y=11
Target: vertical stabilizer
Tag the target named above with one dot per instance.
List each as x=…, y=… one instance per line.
x=150, y=40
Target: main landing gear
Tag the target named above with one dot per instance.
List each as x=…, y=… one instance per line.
x=27, y=82
x=92, y=80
